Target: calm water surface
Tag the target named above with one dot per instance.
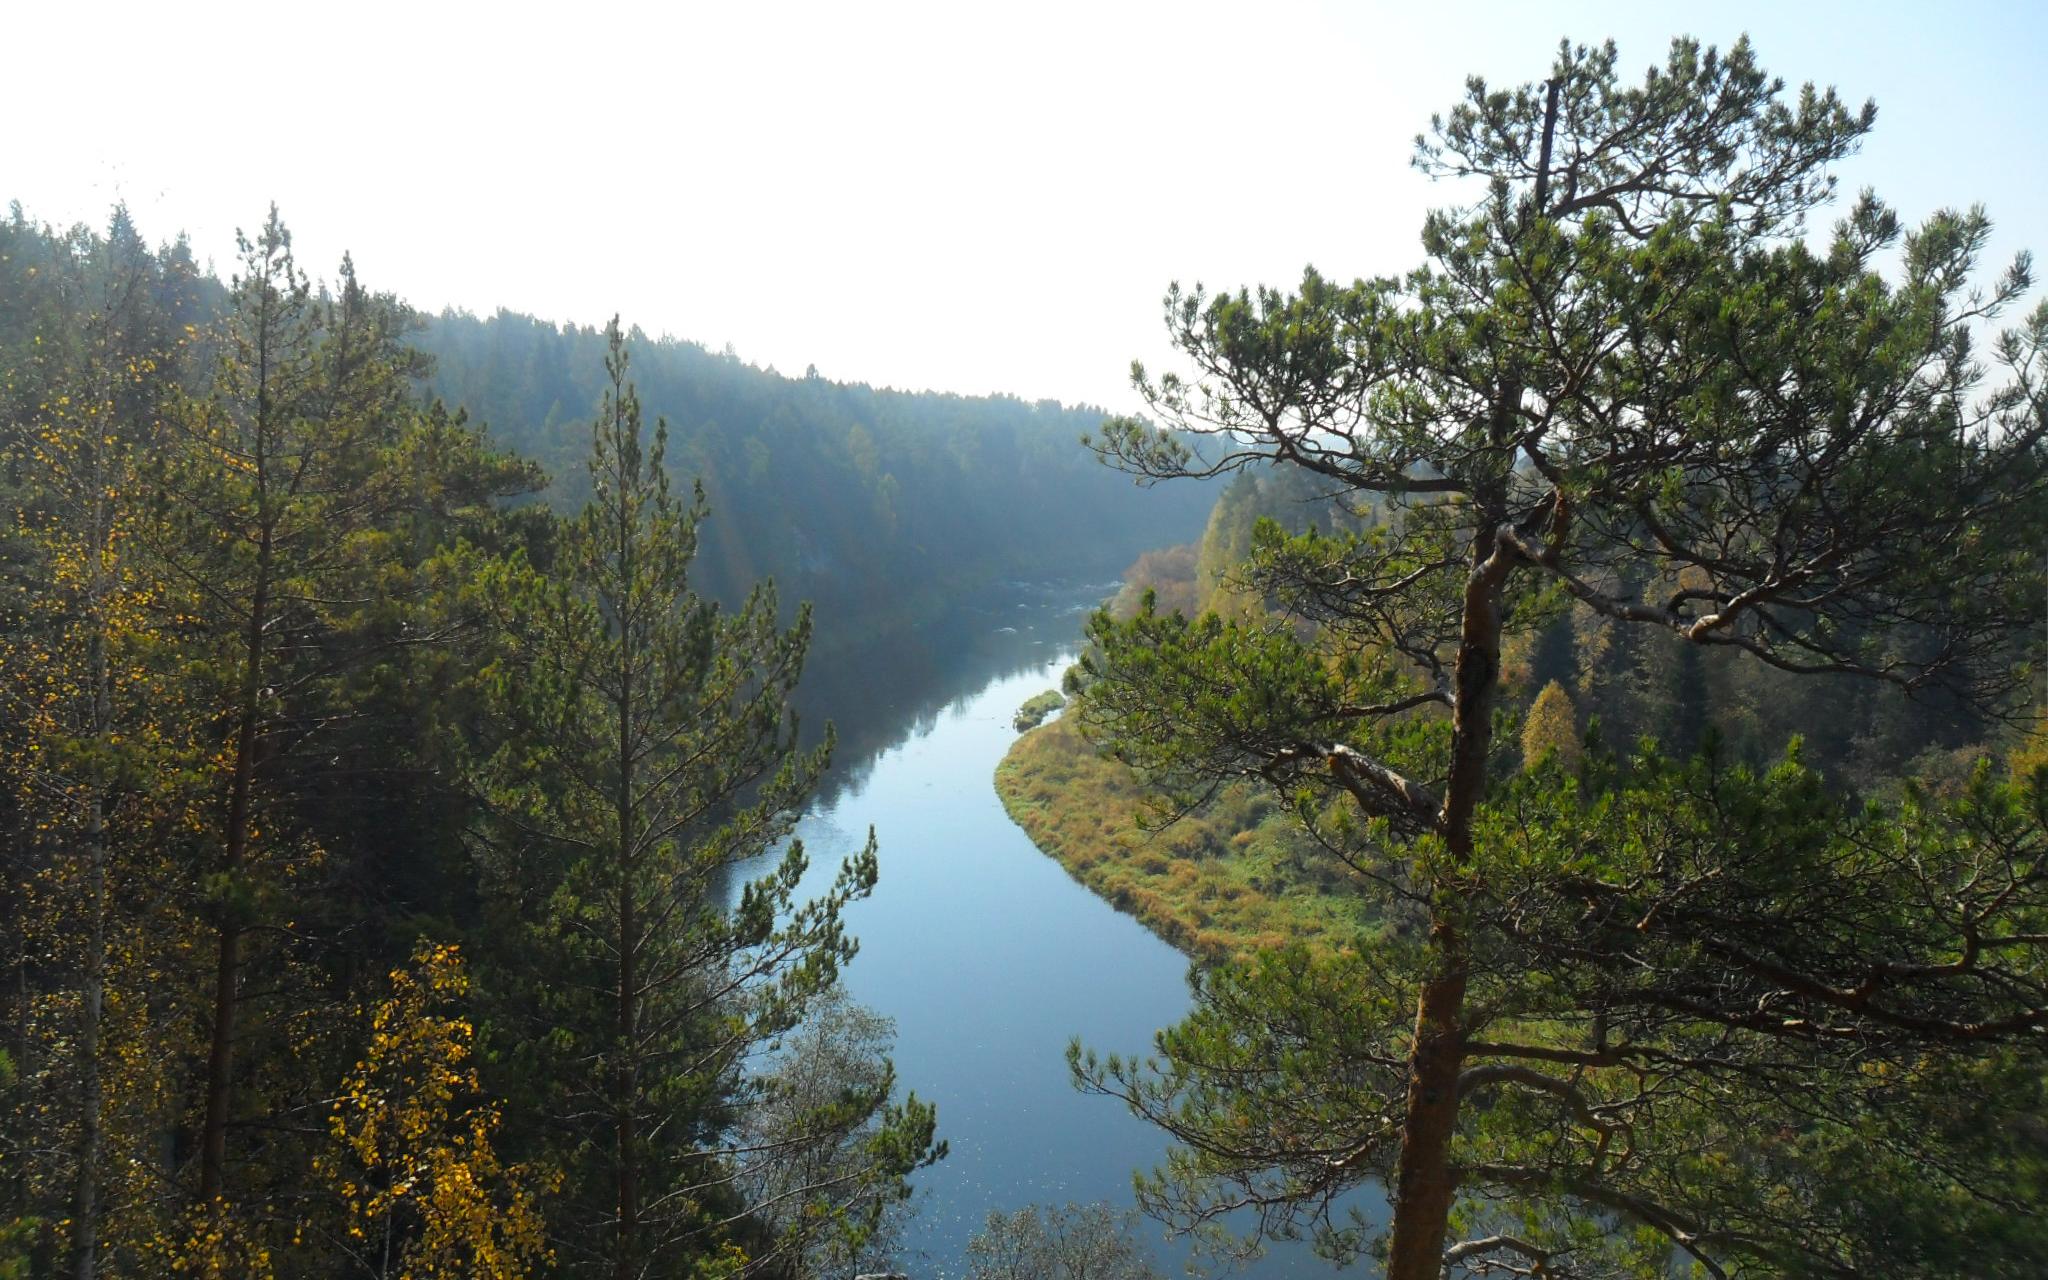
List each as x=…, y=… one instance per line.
x=987, y=955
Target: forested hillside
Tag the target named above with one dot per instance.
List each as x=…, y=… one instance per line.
x=397, y=869
x=875, y=504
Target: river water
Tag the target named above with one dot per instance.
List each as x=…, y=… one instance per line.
x=987, y=955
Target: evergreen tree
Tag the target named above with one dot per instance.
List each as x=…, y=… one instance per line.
x=267, y=479
x=300, y=505
x=1624, y=379
x=647, y=766
x=98, y=741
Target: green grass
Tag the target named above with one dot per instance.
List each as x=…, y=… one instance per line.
x=1037, y=707
x=1234, y=876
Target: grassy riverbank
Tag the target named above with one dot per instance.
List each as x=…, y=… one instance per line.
x=1232, y=877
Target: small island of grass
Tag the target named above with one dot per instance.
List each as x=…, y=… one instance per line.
x=1037, y=708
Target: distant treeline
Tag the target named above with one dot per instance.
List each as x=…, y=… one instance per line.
x=875, y=504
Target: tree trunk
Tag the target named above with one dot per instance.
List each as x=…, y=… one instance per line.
x=1424, y=1185
x=627, y=1076
x=227, y=963
x=85, y=1209
x=1424, y=1182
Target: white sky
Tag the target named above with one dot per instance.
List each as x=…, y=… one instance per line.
x=967, y=196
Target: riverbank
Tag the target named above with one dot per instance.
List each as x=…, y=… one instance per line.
x=1235, y=876
x=985, y=954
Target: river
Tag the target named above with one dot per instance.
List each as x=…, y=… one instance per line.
x=987, y=955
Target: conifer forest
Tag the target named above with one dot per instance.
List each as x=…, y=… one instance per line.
x=1529, y=762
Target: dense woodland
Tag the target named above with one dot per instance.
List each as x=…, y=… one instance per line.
x=907, y=498
x=397, y=865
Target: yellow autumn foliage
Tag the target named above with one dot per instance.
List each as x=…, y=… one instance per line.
x=1552, y=730
x=411, y=1151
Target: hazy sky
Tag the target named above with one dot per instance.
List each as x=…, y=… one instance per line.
x=969, y=196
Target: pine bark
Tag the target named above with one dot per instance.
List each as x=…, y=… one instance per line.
x=1425, y=1184
x=227, y=963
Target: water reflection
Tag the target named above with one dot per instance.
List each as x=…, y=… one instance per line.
x=882, y=692
x=987, y=955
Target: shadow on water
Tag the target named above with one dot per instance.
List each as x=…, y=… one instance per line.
x=884, y=692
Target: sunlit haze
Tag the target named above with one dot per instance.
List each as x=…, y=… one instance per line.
x=973, y=198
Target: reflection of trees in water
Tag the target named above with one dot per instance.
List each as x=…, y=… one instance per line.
x=894, y=689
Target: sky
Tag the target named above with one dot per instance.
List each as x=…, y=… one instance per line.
x=970, y=197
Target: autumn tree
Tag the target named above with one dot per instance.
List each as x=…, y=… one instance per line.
x=1657, y=1012
x=1551, y=730
x=413, y=1159
x=645, y=781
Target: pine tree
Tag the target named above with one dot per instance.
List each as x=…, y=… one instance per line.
x=646, y=778
x=274, y=490
x=1624, y=378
